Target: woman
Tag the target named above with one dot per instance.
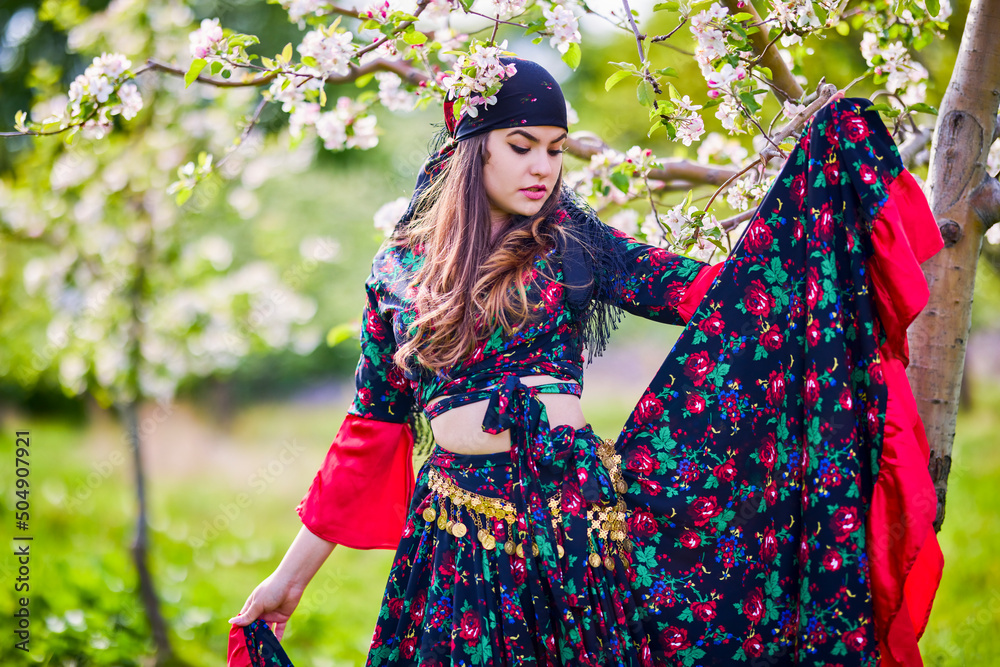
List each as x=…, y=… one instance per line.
x=529, y=539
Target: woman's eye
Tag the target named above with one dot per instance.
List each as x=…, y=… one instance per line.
x=520, y=150
x=555, y=152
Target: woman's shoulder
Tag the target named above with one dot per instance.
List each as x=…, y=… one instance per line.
x=393, y=269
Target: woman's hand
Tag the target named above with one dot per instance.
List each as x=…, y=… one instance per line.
x=273, y=601
x=275, y=598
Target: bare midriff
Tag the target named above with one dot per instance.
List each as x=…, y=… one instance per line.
x=460, y=430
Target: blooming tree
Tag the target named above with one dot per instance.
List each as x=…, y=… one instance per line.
x=351, y=59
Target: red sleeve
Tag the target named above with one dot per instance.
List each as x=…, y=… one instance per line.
x=361, y=493
x=904, y=555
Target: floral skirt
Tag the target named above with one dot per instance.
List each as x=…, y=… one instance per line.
x=475, y=583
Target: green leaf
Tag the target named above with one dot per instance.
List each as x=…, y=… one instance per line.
x=572, y=56
x=843, y=28
x=286, y=53
x=342, y=332
x=933, y=7
x=620, y=181
x=644, y=92
x=615, y=78
x=923, y=108
x=183, y=195
x=666, y=6
x=766, y=71
x=414, y=37
x=666, y=71
x=309, y=60
x=194, y=70
x=742, y=16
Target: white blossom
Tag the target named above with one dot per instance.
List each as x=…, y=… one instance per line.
x=391, y=93
x=717, y=147
x=305, y=115
x=206, y=40
x=389, y=214
x=299, y=9
x=690, y=129
x=131, y=101
x=627, y=220
x=332, y=52
x=564, y=25
x=488, y=73
x=506, y=8
x=993, y=235
x=319, y=248
x=363, y=135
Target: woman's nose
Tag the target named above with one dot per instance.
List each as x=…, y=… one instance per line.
x=541, y=166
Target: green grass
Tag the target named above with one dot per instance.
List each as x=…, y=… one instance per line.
x=222, y=512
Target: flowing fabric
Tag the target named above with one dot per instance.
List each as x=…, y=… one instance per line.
x=763, y=469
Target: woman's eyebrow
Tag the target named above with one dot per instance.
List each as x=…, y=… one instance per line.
x=531, y=137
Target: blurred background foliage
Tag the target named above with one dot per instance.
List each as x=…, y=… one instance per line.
x=229, y=460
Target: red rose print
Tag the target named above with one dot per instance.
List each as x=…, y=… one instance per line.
x=798, y=189
x=832, y=560
x=753, y=606
x=713, y=324
x=470, y=626
x=704, y=509
x=754, y=646
x=832, y=172
x=772, y=339
x=776, y=388
x=855, y=128
x=675, y=292
x=844, y=521
x=396, y=378
x=875, y=371
x=813, y=334
x=417, y=607
x=697, y=366
x=572, y=501
x=642, y=523
x=768, y=544
x=373, y=325
x=651, y=487
x=695, y=404
x=641, y=462
x=552, y=294
x=812, y=388
x=824, y=221
x=408, y=647
x=649, y=408
x=813, y=290
x=868, y=175
x=725, y=471
x=767, y=452
x=690, y=539
x=771, y=494
x=674, y=640
x=758, y=301
x=518, y=570
x=846, y=400
x=395, y=607
x=759, y=236
x=855, y=640
x=704, y=611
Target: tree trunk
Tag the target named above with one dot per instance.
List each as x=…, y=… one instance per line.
x=140, y=545
x=965, y=201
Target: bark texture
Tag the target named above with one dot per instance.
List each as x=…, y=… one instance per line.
x=964, y=198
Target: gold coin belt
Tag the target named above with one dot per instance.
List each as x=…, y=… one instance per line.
x=606, y=524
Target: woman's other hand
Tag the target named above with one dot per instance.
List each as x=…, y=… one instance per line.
x=275, y=598
x=273, y=601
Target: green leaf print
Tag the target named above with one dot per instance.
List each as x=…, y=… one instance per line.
x=774, y=274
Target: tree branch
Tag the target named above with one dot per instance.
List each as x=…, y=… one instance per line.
x=783, y=80
x=586, y=146
x=421, y=6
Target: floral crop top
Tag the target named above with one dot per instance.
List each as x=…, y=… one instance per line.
x=361, y=493
x=552, y=343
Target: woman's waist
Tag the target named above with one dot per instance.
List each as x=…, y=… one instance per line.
x=459, y=427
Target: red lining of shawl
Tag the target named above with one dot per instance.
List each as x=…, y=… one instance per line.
x=361, y=493
x=905, y=559
x=238, y=654
x=696, y=291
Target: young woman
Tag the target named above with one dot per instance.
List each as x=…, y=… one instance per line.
x=723, y=525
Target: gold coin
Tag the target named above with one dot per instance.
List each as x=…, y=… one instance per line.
x=442, y=521
x=509, y=548
x=621, y=486
x=482, y=534
x=560, y=550
x=594, y=560
x=609, y=562
x=489, y=543
x=429, y=514
x=534, y=550
x=459, y=530
x=448, y=525
x=519, y=551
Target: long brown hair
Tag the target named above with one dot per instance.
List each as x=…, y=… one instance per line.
x=470, y=283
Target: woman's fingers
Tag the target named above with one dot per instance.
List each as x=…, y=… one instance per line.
x=249, y=612
x=279, y=630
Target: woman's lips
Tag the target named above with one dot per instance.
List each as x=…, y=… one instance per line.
x=535, y=192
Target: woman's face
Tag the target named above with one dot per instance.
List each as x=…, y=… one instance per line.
x=523, y=167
